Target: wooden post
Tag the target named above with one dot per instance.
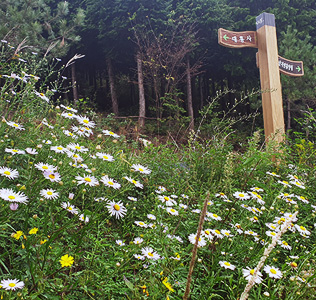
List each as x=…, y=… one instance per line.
x=268, y=61
x=270, y=65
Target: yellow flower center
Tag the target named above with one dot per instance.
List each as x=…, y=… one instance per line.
x=14, y=150
x=42, y=94
x=141, y=169
x=51, y=176
x=252, y=272
x=217, y=231
x=141, y=223
x=150, y=254
x=11, y=284
x=215, y=216
x=250, y=232
x=16, y=125
x=241, y=195
x=172, y=210
x=70, y=114
x=273, y=271
x=85, y=121
x=11, y=197
x=166, y=198
x=303, y=228
x=117, y=207
x=222, y=194
x=45, y=167
x=105, y=157
x=60, y=148
x=110, y=132
x=77, y=147
x=87, y=179
x=70, y=134
x=69, y=208
x=110, y=183
x=226, y=233
x=207, y=232
x=6, y=173
x=134, y=181
x=49, y=193
x=226, y=263
x=285, y=243
x=273, y=233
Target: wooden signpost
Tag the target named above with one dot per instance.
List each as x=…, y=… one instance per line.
x=270, y=65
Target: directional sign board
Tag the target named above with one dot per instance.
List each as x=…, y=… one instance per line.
x=234, y=39
x=290, y=67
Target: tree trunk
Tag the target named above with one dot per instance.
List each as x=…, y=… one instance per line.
x=189, y=96
x=74, y=83
x=112, y=87
x=201, y=85
x=142, y=104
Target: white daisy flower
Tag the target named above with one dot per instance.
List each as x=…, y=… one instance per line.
x=52, y=175
x=151, y=217
x=249, y=273
x=217, y=233
x=226, y=233
x=11, y=284
x=256, y=189
x=139, y=256
x=11, y=196
x=249, y=232
x=273, y=227
x=166, y=200
x=31, y=151
x=15, y=125
x=297, y=183
x=120, y=242
x=271, y=233
x=172, y=211
x=285, y=183
x=237, y=227
x=69, y=108
x=84, y=218
x=68, y=133
x=87, y=180
x=192, y=239
x=150, y=253
x=77, y=147
x=9, y=173
x=207, y=233
x=138, y=241
x=49, y=194
x=184, y=206
x=71, y=208
x=116, y=209
x=135, y=182
x=105, y=156
x=227, y=265
x=284, y=245
x=45, y=167
x=302, y=198
x=68, y=115
x=241, y=196
x=107, y=132
x=160, y=189
x=58, y=149
x=14, y=151
x=273, y=272
x=85, y=121
x=141, y=169
x=221, y=195
x=273, y=174
x=213, y=216
x=141, y=224
x=110, y=182
x=42, y=96
x=74, y=156
x=132, y=198
x=302, y=229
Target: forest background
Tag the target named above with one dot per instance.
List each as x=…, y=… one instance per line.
x=160, y=61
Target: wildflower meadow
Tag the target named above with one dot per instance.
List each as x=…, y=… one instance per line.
x=90, y=212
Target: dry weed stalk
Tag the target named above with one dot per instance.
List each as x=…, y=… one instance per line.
x=194, y=251
x=266, y=254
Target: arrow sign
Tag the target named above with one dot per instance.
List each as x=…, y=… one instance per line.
x=290, y=67
x=234, y=39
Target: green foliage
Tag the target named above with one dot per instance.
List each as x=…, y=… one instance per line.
x=93, y=219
